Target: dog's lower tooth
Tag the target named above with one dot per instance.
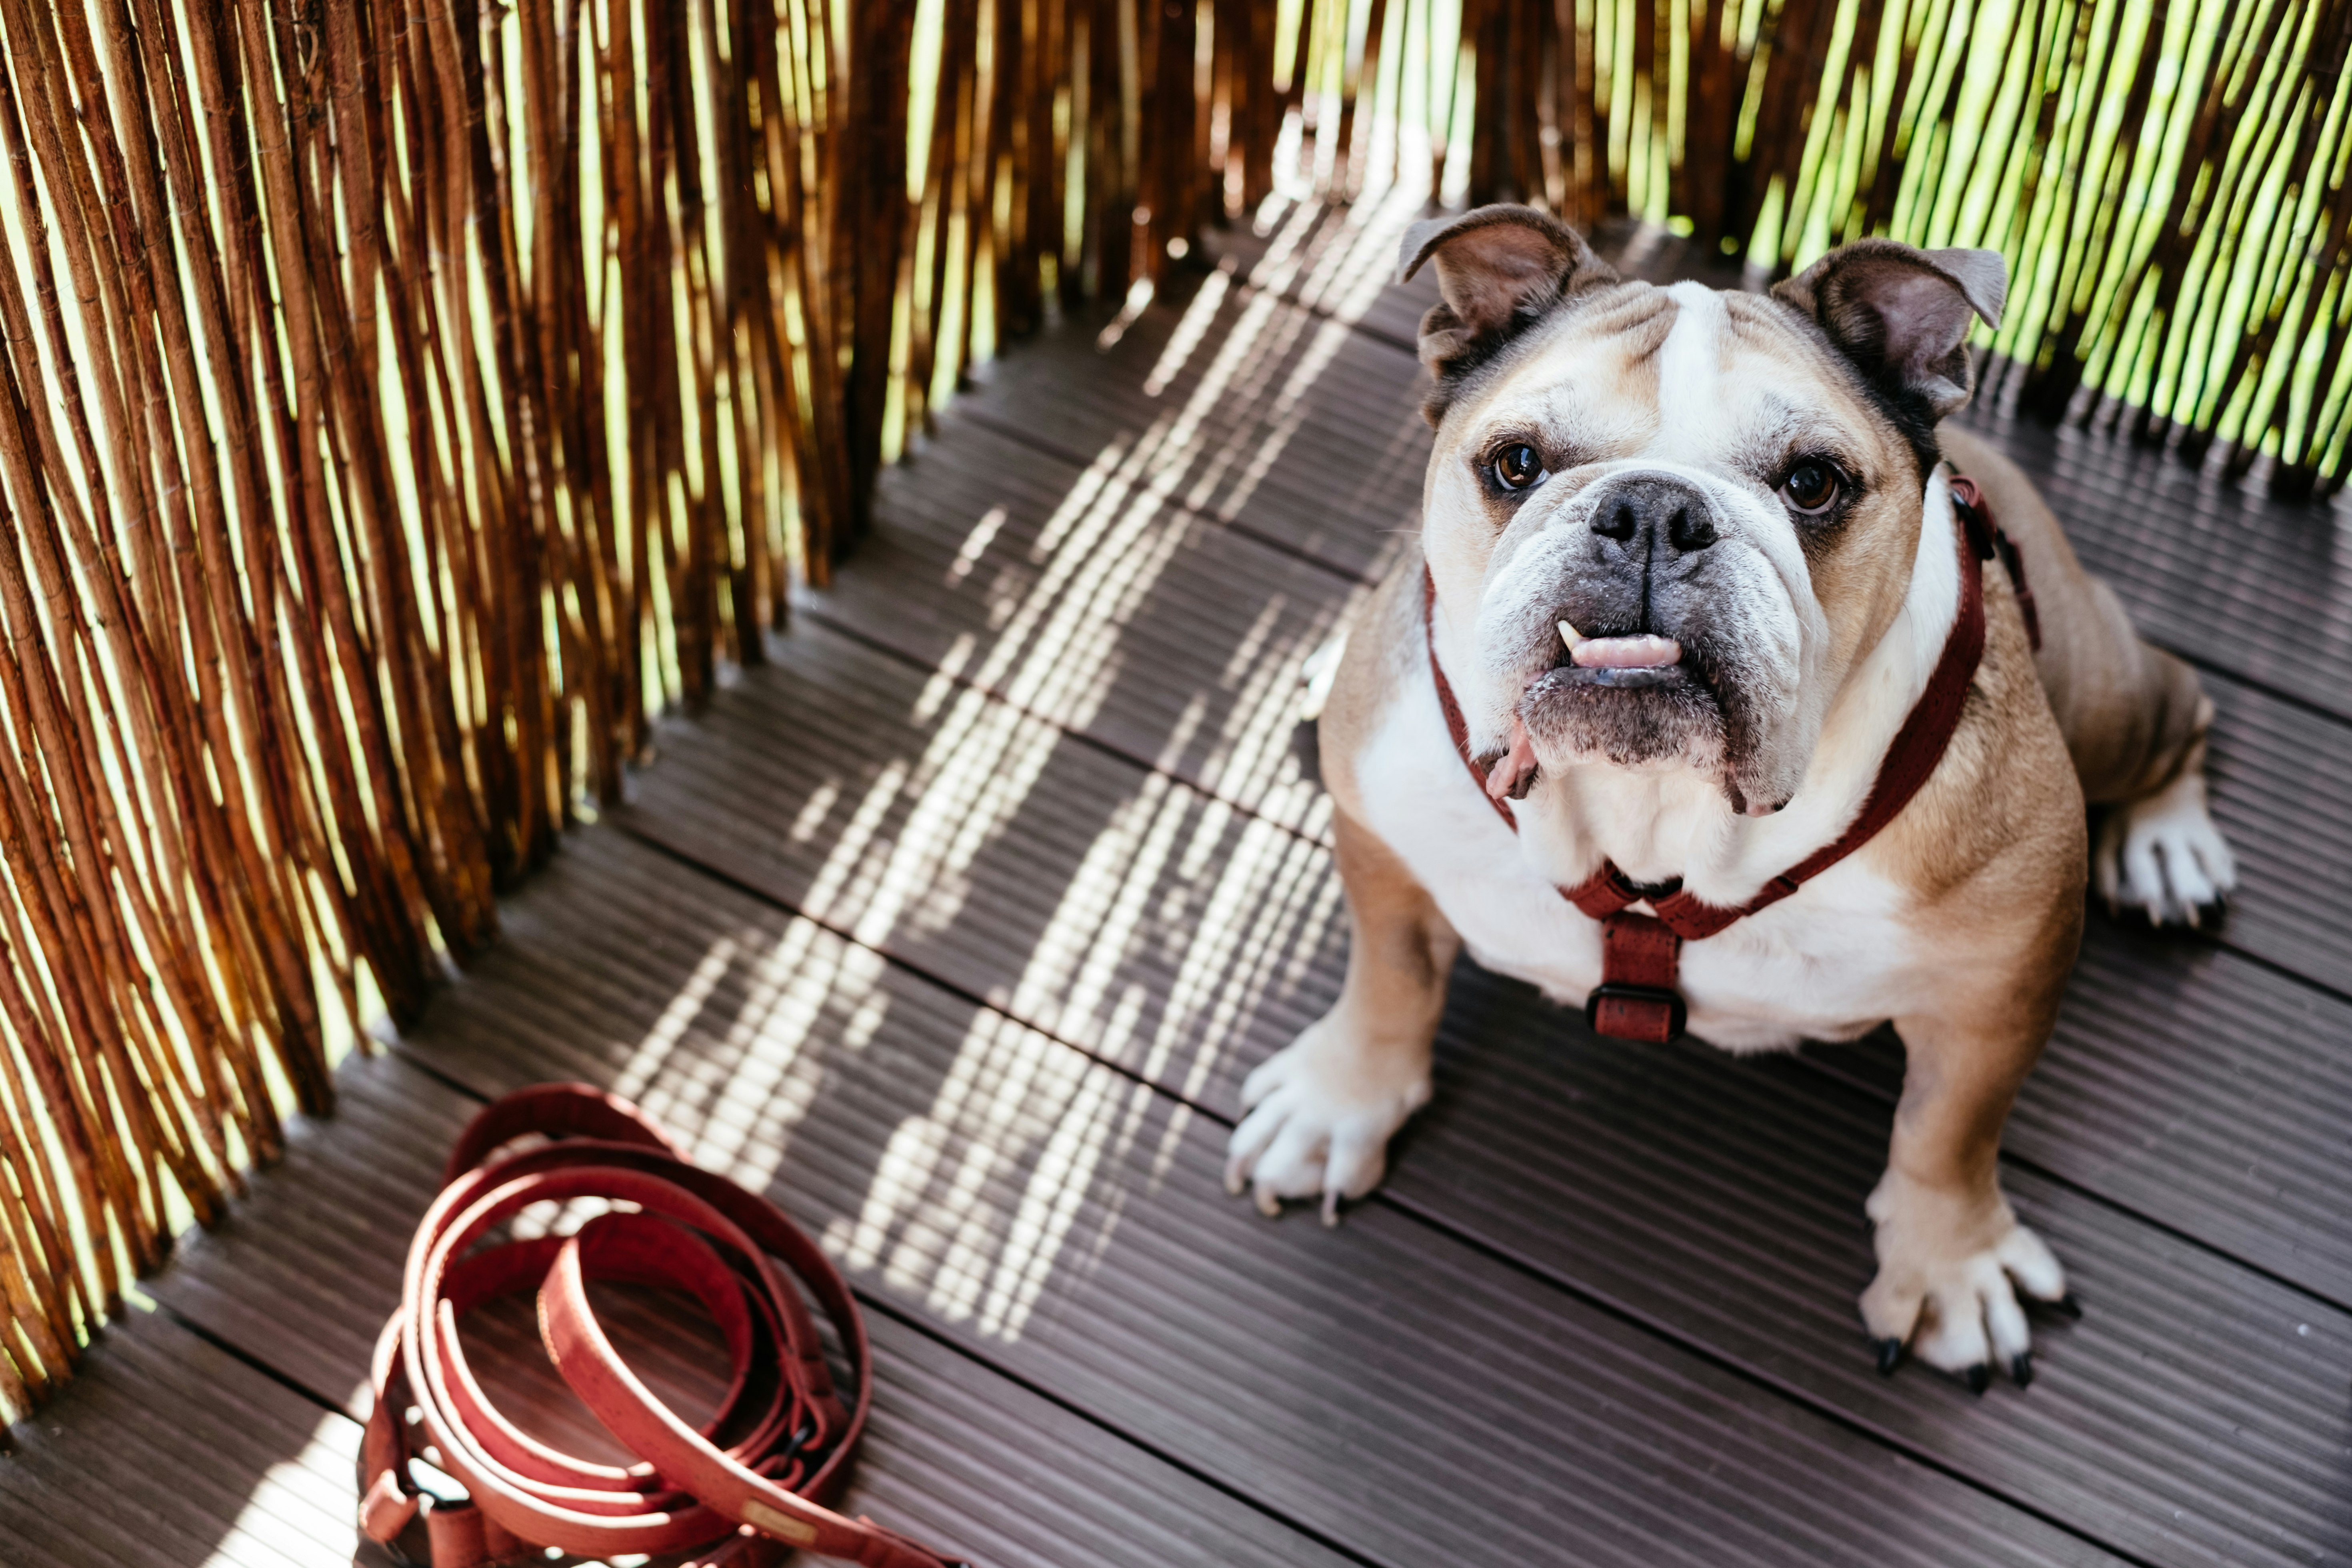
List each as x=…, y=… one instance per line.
x=1569, y=635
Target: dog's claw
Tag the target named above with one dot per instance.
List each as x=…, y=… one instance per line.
x=2021, y=1369
x=1980, y=1378
x=2070, y=1306
x=1890, y=1356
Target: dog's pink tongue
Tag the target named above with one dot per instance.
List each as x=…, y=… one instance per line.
x=1643, y=652
x=1503, y=780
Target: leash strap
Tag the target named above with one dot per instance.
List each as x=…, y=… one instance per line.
x=1641, y=954
x=742, y=1489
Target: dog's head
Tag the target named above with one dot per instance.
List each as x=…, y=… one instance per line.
x=1673, y=521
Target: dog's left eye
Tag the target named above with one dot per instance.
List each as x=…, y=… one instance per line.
x=1517, y=467
x=1813, y=487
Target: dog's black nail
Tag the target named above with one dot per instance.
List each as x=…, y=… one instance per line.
x=1980, y=1378
x=2021, y=1369
x=2070, y=1306
x=1890, y=1356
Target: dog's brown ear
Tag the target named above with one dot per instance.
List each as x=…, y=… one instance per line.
x=1902, y=315
x=1500, y=268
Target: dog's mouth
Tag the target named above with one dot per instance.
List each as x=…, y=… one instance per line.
x=1635, y=660
x=1632, y=698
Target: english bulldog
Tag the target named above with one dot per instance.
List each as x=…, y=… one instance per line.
x=1690, y=560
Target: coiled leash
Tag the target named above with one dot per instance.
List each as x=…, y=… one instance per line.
x=787, y=1435
x=1640, y=955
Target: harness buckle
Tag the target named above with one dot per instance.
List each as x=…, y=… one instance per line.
x=1649, y=1015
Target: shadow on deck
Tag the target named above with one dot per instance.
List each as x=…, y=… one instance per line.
x=956, y=929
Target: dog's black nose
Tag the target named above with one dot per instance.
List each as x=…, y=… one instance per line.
x=1640, y=508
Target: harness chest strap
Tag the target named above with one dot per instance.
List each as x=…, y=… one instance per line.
x=1641, y=954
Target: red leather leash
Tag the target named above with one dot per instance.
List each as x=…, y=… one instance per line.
x=1641, y=954
x=787, y=1434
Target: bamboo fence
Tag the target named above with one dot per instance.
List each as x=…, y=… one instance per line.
x=403, y=404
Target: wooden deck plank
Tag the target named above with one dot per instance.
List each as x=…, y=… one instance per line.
x=1238, y=405
x=166, y=1450
x=1123, y=911
x=958, y=1454
x=2281, y=776
x=2220, y=573
x=1085, y=597
x=1064, y=1222
x=1340, y=260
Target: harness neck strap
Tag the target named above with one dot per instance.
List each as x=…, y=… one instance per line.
x=1636, y=999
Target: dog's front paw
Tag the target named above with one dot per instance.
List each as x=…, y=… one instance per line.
x=1953, y=1275
x=1320, y=1113
x=2164, y=858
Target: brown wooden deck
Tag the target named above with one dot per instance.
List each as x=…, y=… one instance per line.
x=958, y=927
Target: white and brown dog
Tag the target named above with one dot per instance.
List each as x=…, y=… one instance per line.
x=1694, y=595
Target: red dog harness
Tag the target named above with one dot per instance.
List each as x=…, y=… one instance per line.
x=1641, y=954
x=788, y=1435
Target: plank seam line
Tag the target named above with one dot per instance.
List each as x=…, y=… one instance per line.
x=2271, y=965
x=1006, y=430
x=865, y=640
x=897, y=1314
x=1862, y=1086
x=234, y=1351
x=2215, y=667
x=1288, y=294
x=1608, y=1306
x=1813, y=1064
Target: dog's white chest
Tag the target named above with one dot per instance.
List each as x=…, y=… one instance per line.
x=1828, y=964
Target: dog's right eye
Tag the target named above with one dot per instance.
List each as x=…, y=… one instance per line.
x=1813, y=487
x=1517, y=467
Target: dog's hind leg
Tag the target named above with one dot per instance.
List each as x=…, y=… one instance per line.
x=2133, y=716
x=2162, y=855
x=2135, y=723
x=1322, y=1110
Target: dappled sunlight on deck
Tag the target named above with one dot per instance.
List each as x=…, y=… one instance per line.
x=1165, y=927
x=1229, y=900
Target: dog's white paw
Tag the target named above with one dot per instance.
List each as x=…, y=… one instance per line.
x=1952, y=1289
x=2163, y=856
x=1320, y=1113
